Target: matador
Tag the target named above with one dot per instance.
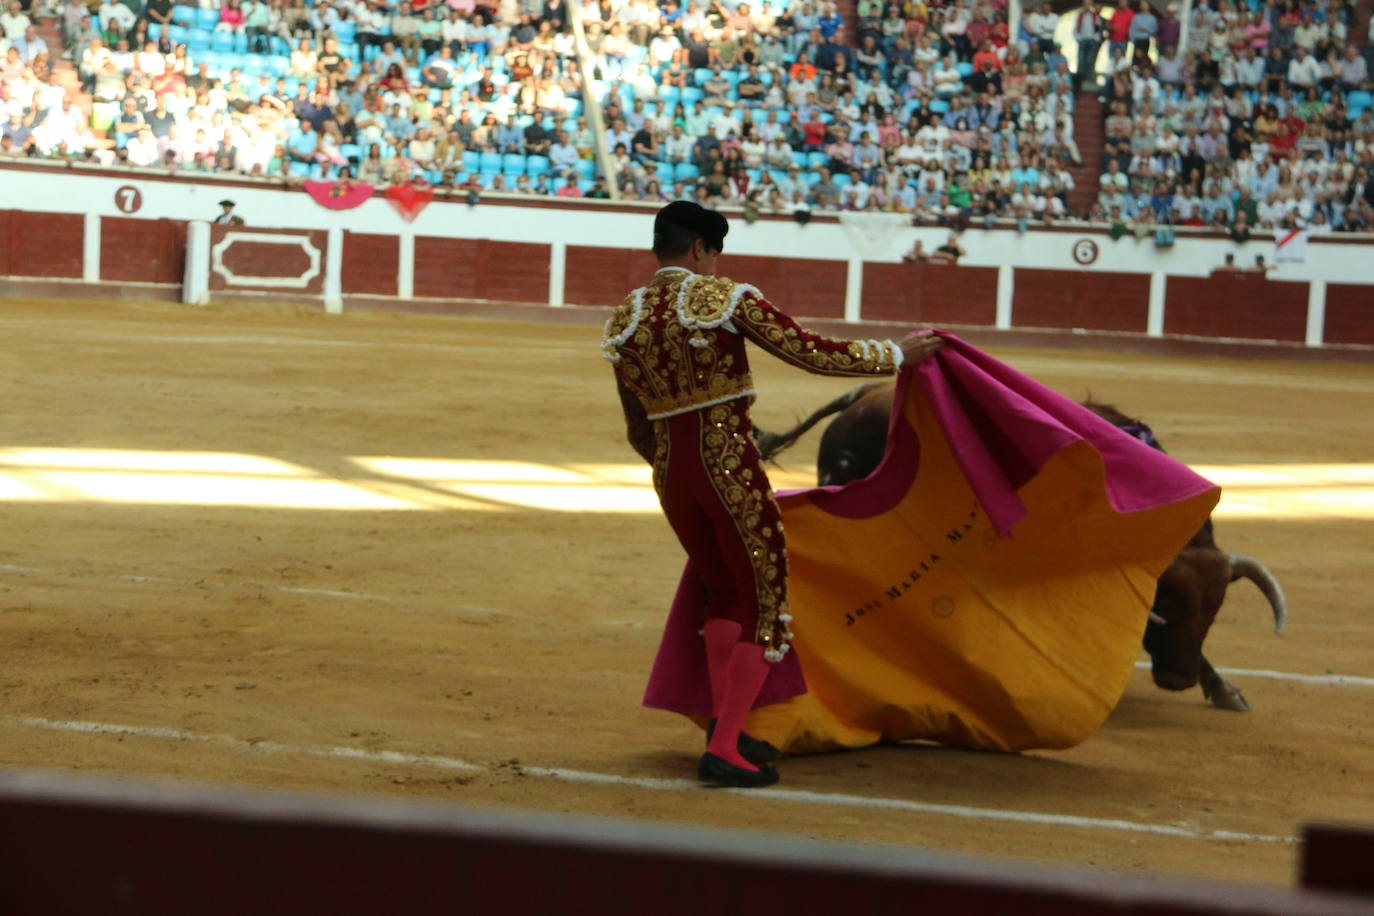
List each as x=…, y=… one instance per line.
x=677, y=348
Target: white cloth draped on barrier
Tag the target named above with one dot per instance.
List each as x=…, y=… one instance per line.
x=875, y=235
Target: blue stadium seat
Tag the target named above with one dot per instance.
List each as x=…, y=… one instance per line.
x=816, y=160
x=965, y=68
x=471, y=161
x=939, y=106
x=692, y=94
x=840, y=179
x=300, y=169
x=345, y=31
x=799, y=159
x=222, y=41
x=685, y=171
x=278, y=65
x=486, y=177
x=177, y=34
x=664, y=171
x=185, y=13
x=350, y=151
x=513, y=164
x=207, y=19
x=349, y=49
x=587, y=168
x=154, y=30
x=700, y=76
x=670, y=95
x=489, y=162
x=198, y=39
x=536, y=165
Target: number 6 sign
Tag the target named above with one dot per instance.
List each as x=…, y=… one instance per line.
x=128, y=199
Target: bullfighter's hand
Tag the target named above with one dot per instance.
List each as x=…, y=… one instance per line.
x=920, y=345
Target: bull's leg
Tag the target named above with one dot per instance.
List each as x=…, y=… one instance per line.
x=1222, y=694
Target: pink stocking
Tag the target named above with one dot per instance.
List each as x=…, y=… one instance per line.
x=721, y=637
x=744, y=678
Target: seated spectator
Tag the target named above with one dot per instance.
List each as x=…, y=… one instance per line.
x=948, y=253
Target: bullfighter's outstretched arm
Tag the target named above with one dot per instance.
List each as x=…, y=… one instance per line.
x=777, y=333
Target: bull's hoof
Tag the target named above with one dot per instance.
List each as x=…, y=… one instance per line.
x=1228, y=697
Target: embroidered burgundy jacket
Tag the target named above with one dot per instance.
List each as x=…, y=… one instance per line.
x=678, y=345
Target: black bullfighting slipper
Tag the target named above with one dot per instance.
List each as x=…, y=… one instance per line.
x=750, y=748
x=723, y=774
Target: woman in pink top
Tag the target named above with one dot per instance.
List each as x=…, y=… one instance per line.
x=230, y=18
x=1257, y=32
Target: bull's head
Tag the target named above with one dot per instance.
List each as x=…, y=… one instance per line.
x=1187, y=599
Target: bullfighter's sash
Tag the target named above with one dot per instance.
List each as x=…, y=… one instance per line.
x=987, y=586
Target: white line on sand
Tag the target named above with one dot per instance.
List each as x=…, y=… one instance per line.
x=329, y=593
x=1332, y=680
x=669, y=785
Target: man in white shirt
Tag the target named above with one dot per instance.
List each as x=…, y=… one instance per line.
x=1041, y=25
x=563, y=154
x=678, y=146
x=112, y=11
x=143, y=149
x=1250, y=69
x=664, y=46
x=1303, y=71
x=13, y=22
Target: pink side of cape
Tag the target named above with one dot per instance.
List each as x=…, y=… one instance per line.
x=1002, y=426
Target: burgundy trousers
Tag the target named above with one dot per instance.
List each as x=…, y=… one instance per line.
x=712, y=487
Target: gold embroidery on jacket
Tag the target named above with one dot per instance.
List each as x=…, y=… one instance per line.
x=660, y=363
x=749, y=500
x=789, y=342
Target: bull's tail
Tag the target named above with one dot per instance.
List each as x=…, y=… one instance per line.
x=770, y=444
x=1243, y=567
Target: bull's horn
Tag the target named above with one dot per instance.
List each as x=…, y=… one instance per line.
x=1155, y=618
x=1243, y=567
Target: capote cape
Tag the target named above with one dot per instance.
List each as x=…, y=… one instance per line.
x=987, y=586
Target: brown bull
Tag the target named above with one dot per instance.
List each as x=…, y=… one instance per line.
x=1190, y=591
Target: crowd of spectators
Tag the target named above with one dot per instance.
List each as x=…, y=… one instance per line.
x=1260, y=118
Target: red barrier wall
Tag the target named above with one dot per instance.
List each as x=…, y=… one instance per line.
x=1079, y=299
x=602, y=276
x=370, y=264
x=1253, y=309
x=1349, y=314
x=807, y=288
x=40, y=244
x=481, y=269
x=142, y=250
x=929, y=294
x=241, y=260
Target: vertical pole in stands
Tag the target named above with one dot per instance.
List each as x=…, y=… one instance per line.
x=591, y=105
x=558, y=267
x=1006, y=286
x=90, y=249
x=1014, y=20
x=1316, y=312
x=195, y=282
x=854, y=290
x=1154, y=317
x=333, y=272
x=405, y=266
x=1185, y=18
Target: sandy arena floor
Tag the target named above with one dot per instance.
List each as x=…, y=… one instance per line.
x=267, y=547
